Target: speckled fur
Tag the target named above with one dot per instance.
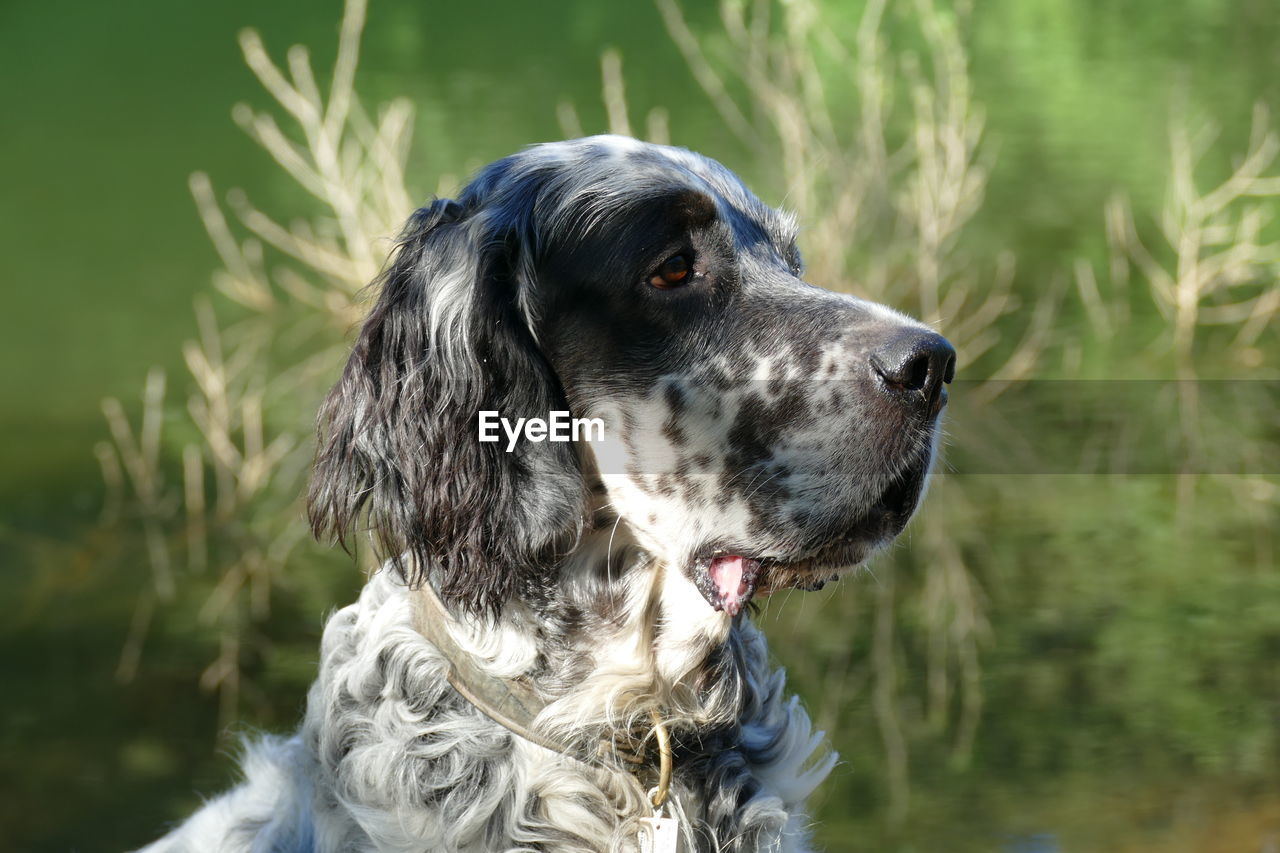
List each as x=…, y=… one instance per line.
x=390, y=758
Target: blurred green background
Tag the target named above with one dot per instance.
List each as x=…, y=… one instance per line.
x=1062, y=662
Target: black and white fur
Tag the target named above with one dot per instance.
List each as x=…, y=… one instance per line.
x=750, y=418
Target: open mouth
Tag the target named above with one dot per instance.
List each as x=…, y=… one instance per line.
x=729, y=577
x=727, y=581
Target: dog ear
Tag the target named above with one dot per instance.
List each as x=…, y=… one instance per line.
x=399, y=434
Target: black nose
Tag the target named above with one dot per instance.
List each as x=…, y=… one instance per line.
x=914, y=364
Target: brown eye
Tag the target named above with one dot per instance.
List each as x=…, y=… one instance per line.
x=673, y=272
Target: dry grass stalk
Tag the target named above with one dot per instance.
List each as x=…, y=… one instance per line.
x=1223, y=266
x=137, y=455
x=1215, y=272
x=257, y=382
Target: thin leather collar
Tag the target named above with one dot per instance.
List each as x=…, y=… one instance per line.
x=513, y=704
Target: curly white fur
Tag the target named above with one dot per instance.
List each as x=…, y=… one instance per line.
x=390, y=758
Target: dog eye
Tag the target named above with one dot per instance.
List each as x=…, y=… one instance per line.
x=673, y=272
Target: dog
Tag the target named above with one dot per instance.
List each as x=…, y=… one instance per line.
x=558, y=653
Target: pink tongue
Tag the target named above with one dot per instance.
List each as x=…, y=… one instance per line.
x=726, y=573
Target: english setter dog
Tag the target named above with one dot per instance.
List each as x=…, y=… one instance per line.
x=559, y=653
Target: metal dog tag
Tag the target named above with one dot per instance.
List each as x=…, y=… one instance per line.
x=658, y=834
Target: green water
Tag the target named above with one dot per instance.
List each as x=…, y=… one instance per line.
x=106, y=108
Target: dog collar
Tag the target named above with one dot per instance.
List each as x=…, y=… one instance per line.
x=513, y=704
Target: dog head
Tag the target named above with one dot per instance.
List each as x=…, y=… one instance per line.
x=758, y=432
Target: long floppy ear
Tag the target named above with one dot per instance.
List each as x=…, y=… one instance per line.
x=399, y=438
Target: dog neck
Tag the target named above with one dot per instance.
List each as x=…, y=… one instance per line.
x=400, y=747
x=619, y=638
x=513, y=704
